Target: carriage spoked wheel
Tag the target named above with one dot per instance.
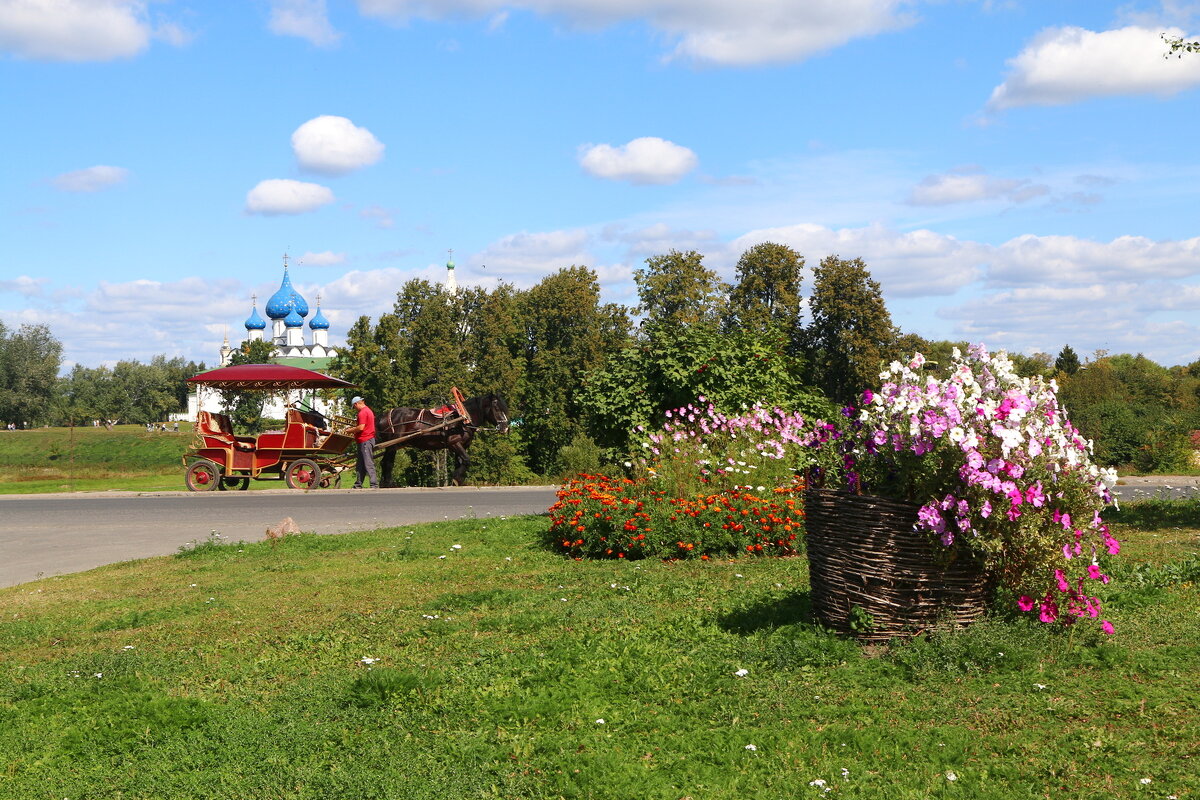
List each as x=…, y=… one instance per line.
x=240, y=484
x=202, y=476
x=303, y=473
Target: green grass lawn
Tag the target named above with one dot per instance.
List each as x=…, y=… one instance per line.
x=87, y=459
x=92, y=459
x=393, y=664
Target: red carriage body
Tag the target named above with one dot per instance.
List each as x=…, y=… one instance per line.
x=310, y=452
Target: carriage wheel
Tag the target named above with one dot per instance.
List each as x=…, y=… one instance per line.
x=202, y=476
x=303, y=473
x=241, y=484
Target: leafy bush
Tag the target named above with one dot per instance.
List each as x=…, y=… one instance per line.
x=378, y=687
x=600, y=517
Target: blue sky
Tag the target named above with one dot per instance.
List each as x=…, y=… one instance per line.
x=1019, y=173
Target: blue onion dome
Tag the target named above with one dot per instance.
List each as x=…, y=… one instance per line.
x=293, y=320
x=255, y=322
x=319, y=323
x=286, y=299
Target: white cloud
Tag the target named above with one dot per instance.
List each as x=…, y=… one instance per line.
x=648, y=160
x=1067, y=65
x=283, y=196
x=92, y=179
x=719, y=32
x=335, y=145
x=1092, y=317
x=522, y=256
x=306, y=19
x=24, y=286
x=380, y=215
x=968, y=185
x=326, y=258
x=660, y=238
x=1068, y=260
x=915, y=264
x=73, y=30
x=357, y=292
x=771, y=31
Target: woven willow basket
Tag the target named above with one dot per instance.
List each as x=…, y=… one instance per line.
x=863, y=553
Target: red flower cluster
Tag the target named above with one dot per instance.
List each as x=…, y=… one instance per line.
x=601, y=517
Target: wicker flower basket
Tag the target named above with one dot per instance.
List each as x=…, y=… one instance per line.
x=863, y=553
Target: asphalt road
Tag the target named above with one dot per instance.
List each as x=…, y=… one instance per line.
x=56, y=534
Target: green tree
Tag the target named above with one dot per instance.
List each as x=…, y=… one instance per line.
x=850, y=334
x=567, y=335
x=672, y=367
x=1177, y=46
x=432, y=330
x=493, y=351
x=676, y=289
x=766, y=292
x=1067, y=361
x=29, y=362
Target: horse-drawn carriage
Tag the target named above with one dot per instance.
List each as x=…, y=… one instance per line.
x=309, y=452
x=312, y=451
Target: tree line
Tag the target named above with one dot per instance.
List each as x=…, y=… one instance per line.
x=581, y=374
x=33, y=392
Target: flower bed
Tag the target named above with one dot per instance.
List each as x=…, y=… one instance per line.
x=601, y=517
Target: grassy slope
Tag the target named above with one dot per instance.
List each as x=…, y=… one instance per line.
x=237, y=671
x=87, y=458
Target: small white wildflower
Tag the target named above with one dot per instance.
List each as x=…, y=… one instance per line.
x=563, y=599
x=738, y=575
x=950, y=776
x=1039, y=686
x=613, y=585
x=127, y=647
x=508, y=558
x=1143, y=781
x=456, y=547
x=845, y=774
x=600, y=721
x=441, y=557
x=751, y=747
x=741, y=673
x=192, y=585
x=101, y=675
x=818, y=783
x=368, y=660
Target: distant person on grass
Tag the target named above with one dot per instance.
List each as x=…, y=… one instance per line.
x=364, y=434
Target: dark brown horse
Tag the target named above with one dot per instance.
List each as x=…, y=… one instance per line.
x=423, y=429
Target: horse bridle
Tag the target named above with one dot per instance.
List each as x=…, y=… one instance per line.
x=502, y=421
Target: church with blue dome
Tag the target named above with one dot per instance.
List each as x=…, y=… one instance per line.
x=286, y=311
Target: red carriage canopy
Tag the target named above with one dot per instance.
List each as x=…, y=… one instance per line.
x=271, y=377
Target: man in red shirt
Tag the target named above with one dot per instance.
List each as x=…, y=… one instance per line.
x=364, y=434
